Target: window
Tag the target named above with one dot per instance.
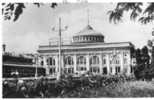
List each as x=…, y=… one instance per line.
x=81, y=63
x=110, y=69
x=51, y=61
x=52, y=70
x=81, y=68
x=42, y=63
x=69, y=70
x=94, y=69
x=81, y=60
x=111, y=62
x=125, y=60
x=104, y=70
x=68, y=60
x=114, y=59
x=94, y=60
x=117, y=61
x=117, y=69
x=104, y=61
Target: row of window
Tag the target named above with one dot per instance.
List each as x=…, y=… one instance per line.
x=81, y=60
x=92, y=69
x=88, y=38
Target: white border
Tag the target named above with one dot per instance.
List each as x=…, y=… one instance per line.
x=76, y=1
x=62, y=1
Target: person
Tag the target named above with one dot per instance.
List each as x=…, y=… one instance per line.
x=15, y=75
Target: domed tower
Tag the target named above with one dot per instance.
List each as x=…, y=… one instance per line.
x=88, y=35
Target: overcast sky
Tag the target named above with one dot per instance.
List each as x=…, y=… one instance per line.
x=34, y=26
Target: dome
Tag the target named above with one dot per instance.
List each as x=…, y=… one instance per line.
x=88, y=35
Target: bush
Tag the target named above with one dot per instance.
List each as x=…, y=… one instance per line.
x=46, y=88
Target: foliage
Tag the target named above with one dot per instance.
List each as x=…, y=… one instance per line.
x=14, y=10
x=142, y=67
x=69, y=85
x=137, y=12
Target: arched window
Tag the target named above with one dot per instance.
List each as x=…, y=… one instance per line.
x=68, y=60
x=114, y=59
x=51, y=61
x=81, y=60
x=94, y=60
x=42, y=63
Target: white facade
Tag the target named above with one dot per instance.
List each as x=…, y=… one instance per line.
x=88, y=55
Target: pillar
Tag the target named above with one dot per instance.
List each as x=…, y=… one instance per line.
x=113, y=69
x=87, y=62
x=100, y=63
x=56, y=63
x=47, y=67
x=129, y=64
x=74, y=62
x=121, y=63
x=108, y=63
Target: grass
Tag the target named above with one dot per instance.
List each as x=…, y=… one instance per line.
x=127, y=89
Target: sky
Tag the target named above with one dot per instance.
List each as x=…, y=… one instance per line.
x=34, y=26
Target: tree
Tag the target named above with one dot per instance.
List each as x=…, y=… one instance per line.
x=144, y=13
x=137, y=12
x=12, y=11
x=142, y=58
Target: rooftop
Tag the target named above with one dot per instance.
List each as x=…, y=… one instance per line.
x=86, y=46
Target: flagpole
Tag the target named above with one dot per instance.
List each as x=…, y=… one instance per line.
x=36, y=67
x=59, y=71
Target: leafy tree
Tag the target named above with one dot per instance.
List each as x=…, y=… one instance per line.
x=14, y=10
x=142, y=67
x=144, y=13
x=137, y=12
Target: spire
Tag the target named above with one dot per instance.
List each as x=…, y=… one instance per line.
x=87, y=16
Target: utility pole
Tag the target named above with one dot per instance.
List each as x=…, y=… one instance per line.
x=59, y=45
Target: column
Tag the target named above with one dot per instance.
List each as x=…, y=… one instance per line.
x=56, y=63
x=74, y=61
x=62, y=63
x=108, y=63
x=87, y=62
x=113, y=65
x=47, y=67
x=121, y=63
x=45, y=61
x=113, y=69
x=100, y=63
x=129, y=64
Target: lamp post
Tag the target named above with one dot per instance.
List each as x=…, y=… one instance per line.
x=59, y=45
x=36, y=65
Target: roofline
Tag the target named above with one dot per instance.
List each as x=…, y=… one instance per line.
x=77, y=44
x=93, y=46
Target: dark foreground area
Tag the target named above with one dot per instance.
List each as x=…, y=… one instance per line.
x=79, y=87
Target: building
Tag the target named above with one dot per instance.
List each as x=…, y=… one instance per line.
x=21, y=65
x=88, y=53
